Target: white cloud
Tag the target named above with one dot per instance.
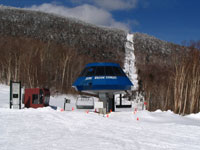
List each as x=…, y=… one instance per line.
x=87, y=13
x=116, y=4
x=110, y=4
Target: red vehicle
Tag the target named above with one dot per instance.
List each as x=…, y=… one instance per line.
x=36, y=97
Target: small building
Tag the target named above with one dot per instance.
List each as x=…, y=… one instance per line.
x=36, y=97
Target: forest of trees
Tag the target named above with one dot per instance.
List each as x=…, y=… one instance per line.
x=177, y=87
x=39, y=64
x=185, y=81
x=55, y=66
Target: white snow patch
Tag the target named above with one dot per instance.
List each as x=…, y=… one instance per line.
x=4, y=96
x=194, y=116
x=131, y=71
x=129, y=63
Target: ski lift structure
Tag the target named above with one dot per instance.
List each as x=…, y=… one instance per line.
x=103, y=80
x=85, y=102
x=125, y=103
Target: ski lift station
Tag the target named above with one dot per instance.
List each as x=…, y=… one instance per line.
x=103, y=80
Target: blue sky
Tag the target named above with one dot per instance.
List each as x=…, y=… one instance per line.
x=171, y=20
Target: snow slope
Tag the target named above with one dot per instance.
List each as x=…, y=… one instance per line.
x=129, y=63
x=49, y=129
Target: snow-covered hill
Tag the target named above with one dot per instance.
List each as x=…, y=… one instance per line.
x=49, y=129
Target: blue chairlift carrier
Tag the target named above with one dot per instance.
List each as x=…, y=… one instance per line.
x=97, y=77
x=102, y=78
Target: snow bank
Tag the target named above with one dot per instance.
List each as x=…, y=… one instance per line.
x=4, y=96
x=49, y=129
x=194, y=116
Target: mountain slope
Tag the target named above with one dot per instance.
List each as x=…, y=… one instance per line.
x=51, y=28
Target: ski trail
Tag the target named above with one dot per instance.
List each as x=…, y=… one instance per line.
x=129, y=63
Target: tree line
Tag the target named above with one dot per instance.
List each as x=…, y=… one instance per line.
x=43, y=64
x=174, y=87
x=39, y=64
x=46, y=64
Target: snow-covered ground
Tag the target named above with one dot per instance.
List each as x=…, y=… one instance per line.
x=50, y=129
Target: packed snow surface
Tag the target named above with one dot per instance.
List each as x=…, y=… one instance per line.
x=50, y=129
